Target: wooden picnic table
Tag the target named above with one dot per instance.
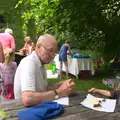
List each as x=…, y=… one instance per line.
x=75, y=111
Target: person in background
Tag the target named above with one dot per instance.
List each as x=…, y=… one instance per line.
x=64, y=50
x=114, y=94
x=1, y=54
x=8, y=69
x=100, y=62
x=7, y=40
x=28, y=47
x=30, y=81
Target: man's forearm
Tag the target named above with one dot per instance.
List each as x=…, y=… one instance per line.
x=103, y=92
x=34, y=98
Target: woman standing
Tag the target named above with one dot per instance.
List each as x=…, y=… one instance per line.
x=64, y=50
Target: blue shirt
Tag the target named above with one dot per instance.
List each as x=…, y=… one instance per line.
x=63, y=50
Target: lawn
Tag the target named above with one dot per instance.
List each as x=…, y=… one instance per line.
x=84, y=84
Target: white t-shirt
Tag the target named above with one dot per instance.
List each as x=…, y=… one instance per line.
x=30, y=76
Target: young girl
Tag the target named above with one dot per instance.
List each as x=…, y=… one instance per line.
x=8, y=69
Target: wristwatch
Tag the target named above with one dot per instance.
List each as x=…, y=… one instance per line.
x=56, y=94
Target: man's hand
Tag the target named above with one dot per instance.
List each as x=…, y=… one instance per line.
x=57, y=85
x=66, y=88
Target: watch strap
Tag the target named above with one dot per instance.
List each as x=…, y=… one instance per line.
x=56, y=93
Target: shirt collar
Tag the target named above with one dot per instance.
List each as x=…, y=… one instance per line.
x=38, y=61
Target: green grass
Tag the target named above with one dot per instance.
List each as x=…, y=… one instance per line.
x=84, y=84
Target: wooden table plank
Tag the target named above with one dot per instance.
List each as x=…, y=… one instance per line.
x=114, y=116
x=109, y=116
x=16, y=118
x=79, y=116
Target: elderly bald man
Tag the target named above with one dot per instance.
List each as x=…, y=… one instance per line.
x=1, y=54
x=30, y=82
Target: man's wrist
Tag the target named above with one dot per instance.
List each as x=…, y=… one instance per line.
x=58, y=91
x=56, y=94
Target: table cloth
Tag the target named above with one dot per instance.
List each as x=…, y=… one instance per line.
x=75, y=65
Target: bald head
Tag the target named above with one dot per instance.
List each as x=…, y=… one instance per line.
x=8, y=30
x=46, y=48
x=47, y=38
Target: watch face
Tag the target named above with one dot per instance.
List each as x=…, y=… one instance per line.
x=57, y=96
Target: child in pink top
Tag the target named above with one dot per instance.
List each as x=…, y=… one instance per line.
x=8, y=69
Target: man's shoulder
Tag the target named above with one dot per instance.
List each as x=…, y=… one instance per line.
x=6, y=35
x=10, y=36
x=28, y=59
x=31, y=59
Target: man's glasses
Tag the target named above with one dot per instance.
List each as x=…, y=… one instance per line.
x=51, y=52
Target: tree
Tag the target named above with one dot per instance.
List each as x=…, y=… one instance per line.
x=89, y=24
x=12, y=18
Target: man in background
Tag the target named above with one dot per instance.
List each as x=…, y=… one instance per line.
x=7, y=40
